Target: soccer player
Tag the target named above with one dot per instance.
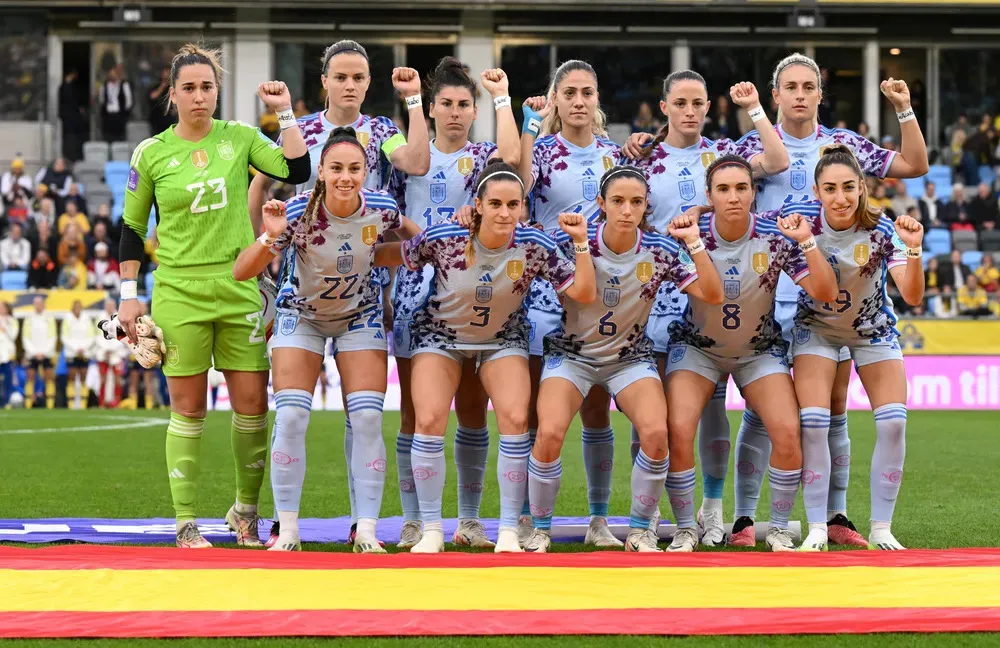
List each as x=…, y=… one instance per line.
x=78, y=348
x=562, y=170
x=196, y=173
x=740, y=338
x=604, y=343
x=797, y=89
x=476, y=311
x=863, y=245
x=675, y=163
x=328, y=236
x=39, y=335
x=456, y=163
x=9, y=328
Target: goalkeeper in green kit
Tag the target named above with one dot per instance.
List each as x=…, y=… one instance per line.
x=196, y=176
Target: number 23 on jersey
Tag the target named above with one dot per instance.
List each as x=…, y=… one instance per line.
x=216, y=197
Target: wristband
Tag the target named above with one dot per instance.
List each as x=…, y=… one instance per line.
x=757, y=114
x=532, y=121
x=914, y=253
x=286, y=119
x=501, y=102
x=266, y=240
x=696, y=247
x=414, y=102
x=808, y=244
x=129, y=289
x=906, y=115
x=582, y=248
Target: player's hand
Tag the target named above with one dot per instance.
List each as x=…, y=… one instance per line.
x=275, y=95
x=464, y=216
x=910, y=231
x=685, y=228
x=275, y=219
x=495, y=82
x=575, y=225
x=896, y=91
x=795, y=227
x=744, y=94
x=541, y=106
x=636, y=144
x=406, y=81
x=128, y=312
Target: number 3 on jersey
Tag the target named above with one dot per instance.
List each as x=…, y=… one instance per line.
x=218, y=196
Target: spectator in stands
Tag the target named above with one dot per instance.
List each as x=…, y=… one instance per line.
x=100, y=235
x=955, y=153
x=961, y=125
x=16, y=213
x=954, y=272
x=902, y=202
x=977, y=151
x=983, y=210
x=931, y=207
x=645, y=121
x=43, y=238
x=103, y=273
x=75, y=197
x=972, y=300
x=15, y=183
x=57, y=178
x=73, y=273
x=300, y=109
x=879, y=199
x=865, y=131
x=103, y=217
x=269, y=123
x=722, y=122
x=72, y=240
x=73, y=117
x=38, y=337
x=945, y=306
x=932, y=278
x=988, y=275
x=46, y=212
x=161, y=112
x=115, y=100
x=41, y=193
x=8, y=351
x=78, y=337
x=15, y=251
x=43, y=274
x=74, y=217
x=956, y=213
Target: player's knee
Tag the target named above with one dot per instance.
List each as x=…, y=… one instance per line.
x=429, y=422
x=838, y=399
x=512, y=421
x=470, y=414
x=549, y=442
x=653, y=439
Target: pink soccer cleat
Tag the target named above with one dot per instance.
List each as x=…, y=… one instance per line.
x=743, y=534
x=841, y=531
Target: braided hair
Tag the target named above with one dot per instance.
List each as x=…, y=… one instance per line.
x=668, y=84
x=341, y=135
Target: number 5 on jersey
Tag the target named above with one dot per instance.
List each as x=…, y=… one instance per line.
x=218, y=197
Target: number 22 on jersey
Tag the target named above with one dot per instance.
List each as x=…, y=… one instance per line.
x=216, y=199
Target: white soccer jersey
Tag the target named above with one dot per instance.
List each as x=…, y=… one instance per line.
x=482, y=304
x=749, y=267
x=78, y=335
x=613, y=327
x=567, y=177
x=326, y=273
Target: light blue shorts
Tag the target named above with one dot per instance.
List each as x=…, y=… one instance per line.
x=863, y=352
x=613, y=377
x=744, y=370
x=355, y=334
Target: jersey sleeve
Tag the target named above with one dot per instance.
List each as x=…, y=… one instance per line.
x=139, y=189
x=795, y=266
x=295, y=209
x=481, y=154
x=539, y=165
x=388, y=134
x=680, y=266
x=397, y=188
x=264, y=155
x=895, y=254
x=749, y=145
x=558, y=270
x=874, y=160
x=418, y=251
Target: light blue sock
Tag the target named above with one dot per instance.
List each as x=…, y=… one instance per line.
x=680, y=489
x=840, y=467
x=428, y=475
x=544, y=479
x=368, y=457
x=634, y=447
x=648, y=478
x=599, y=461
x=532, y=433
x=815, y=423
x=512, y=473
x=472, y=448
x=288, y=447
x=753, y=454
x=887, y=460
x=348, y=454
x=784, y=489
x=407, y=488
x=714, y=444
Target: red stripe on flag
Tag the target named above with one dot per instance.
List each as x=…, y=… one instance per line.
x=444, y=622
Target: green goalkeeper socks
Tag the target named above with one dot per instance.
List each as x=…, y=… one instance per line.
x=249, y=435
x=183, y=455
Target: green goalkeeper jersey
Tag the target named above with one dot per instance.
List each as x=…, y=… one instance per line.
x=199, y=190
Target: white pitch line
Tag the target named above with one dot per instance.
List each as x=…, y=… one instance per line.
x=126, y=422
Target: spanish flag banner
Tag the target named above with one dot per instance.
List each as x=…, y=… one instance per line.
x=109, y=591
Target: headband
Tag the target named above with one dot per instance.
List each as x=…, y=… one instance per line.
x=350, y=47
x=500, y=173
x=632, y=171
x=732, y=163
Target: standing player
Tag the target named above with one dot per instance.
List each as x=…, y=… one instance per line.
x=78, y=348
x=196, y=174
x=562, y=171
x=863, y=246
x=9, y=328
x=604, y=343
x=456, y=163
x=327, y=291
x=675, y=163
x=740, y=338
x=798, y=90
x=475, y=311
x=39, y=335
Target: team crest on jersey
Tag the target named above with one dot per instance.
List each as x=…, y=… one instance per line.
x=225, y=149
x=798, y=179
x=862, y=252
x=439, y=191
x=515, y=269
x=589, y=189
x=609, y=162
x=199, y=158
x=686, y=189
x=677, y=354
x=802, y=335
x=173, y=356
x=288, y=324
x=612, y=296
x=484, y=294
x=731, y=288
x=369, y=234
x=707, y=159
x=464, y=165
x=644, y=271
x=363, y=139
x=760, y=261
x=345, y=263
x=553, y=362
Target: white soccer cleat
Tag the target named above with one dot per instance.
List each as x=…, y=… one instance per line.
x=286, y=542
x=431, y=543
x=641, y=541
x=525, y=527
x=599, y=535
x=246, y=527
x=507, y=541
x=368, y=545
x=779, y=539
x=817, y=540
x=538, y=542
x=654, y=523
x=410, y=534
x=189, y=537
x=882, y=539
x=685, y=540
x=713, y=534
x=472, y=533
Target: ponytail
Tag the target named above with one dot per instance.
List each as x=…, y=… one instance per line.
x=553, y=123
x=340, y=135
x=668, y=83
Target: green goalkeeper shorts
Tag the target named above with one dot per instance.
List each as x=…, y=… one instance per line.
x=209, y=318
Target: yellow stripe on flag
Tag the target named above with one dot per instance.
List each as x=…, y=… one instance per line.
x=503, y=588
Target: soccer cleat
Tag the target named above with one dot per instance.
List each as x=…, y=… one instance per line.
x=842, y=531
x=713, y=534
x=471, y=533
x=189, y=537
x=353, y=535
x=685, y=540
x=599, y=535
x=368, y=546
x=654, y=523
x=525, y=527
x=815, y=541
x=273, y=536
x=507, y=541
x=286, y=542
x=779, y=539
x=882, y=539
x=245, y=526
x=744, y=534
x=410, y=534
x=641, y=541
x=538, y=542
x=431, y=543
